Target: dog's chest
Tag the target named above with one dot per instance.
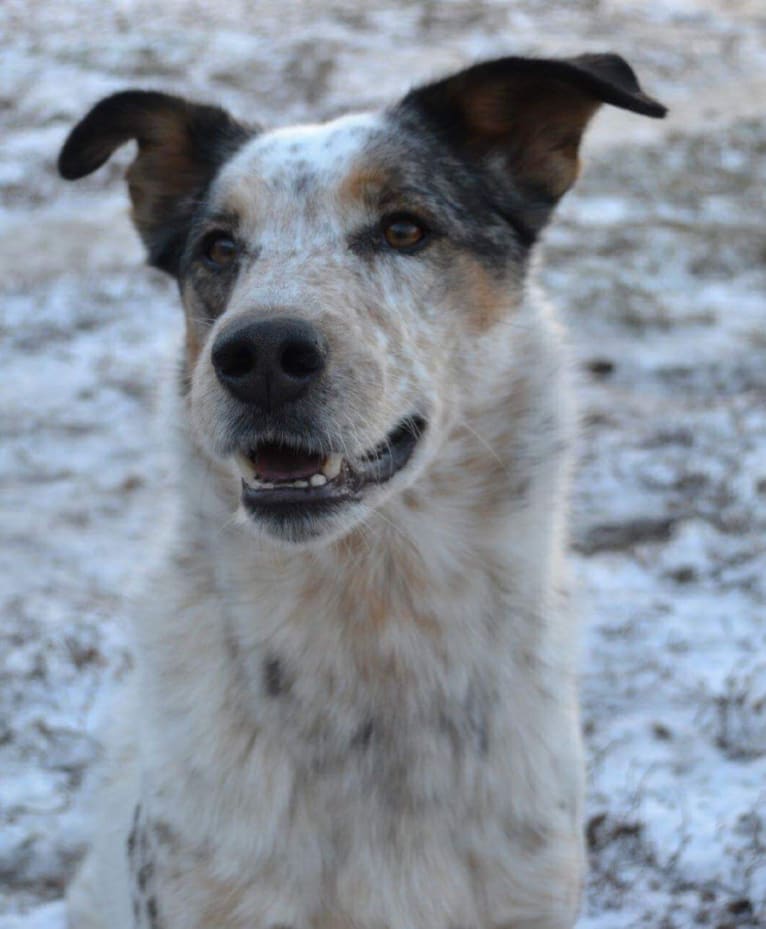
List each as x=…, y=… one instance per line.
x=372, y=700
x=350, y=742
x=343, y=757
x=330, y=785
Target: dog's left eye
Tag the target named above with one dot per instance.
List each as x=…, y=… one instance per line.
x=404, y=232
x=219, y=250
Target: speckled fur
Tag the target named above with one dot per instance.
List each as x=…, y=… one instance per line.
x=373, y=725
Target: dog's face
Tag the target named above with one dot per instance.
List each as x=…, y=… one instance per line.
x=334, y=287
x=342, y=283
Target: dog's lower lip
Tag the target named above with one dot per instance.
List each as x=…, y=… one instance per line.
x=284, y=481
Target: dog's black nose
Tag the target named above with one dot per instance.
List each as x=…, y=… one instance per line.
x=269, y=362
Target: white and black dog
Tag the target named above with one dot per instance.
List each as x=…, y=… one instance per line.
x=355, y=704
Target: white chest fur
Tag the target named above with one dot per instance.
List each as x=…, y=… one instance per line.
x=328, y=735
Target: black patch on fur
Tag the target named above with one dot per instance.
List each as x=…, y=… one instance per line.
x=153, y=913
x=133, y=834
x=141, y=868
x=477, y=719
x=211, y=287
x=473, y=116
x=273, y=677
x=303, y=182
x=606, y=77
x=145, y=874
x=181, y=147
x=364, y=736
x=487, y=216
x=481, y=736
x=467, y=725
x=164, y=835
x=462, y=205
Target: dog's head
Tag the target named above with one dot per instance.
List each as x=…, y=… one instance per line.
x=344, y=284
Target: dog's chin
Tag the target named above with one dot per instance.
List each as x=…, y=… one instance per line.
x=297, y=495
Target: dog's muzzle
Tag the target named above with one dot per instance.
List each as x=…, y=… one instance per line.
x=282, y=477
x=272, y=367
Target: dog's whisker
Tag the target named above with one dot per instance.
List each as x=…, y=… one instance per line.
x=486, y=444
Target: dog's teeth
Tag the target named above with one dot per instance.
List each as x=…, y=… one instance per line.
x=330, y=470
x=332, y=465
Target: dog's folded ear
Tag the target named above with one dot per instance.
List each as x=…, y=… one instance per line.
x=181, y=146
x=528, y=115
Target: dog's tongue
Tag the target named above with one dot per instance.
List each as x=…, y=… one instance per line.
x=276, y=463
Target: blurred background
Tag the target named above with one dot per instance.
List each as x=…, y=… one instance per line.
x=657, y=261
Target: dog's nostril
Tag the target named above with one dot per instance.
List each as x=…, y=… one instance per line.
x=235, y=360
x=301, y=359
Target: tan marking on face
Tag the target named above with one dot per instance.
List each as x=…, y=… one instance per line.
x=192, y=342
x=485, y=298
x=361, y=185
x=240, y=192
x=412, y=501
x=276, y=160
x=193, y=339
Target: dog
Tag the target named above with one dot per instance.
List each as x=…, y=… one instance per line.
x=355, y=696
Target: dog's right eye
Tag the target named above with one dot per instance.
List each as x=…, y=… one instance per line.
x=404, y=232
x=219, y=250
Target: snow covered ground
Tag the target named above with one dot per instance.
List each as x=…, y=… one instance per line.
x=658, y=261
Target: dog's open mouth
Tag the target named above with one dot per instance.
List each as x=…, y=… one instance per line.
x=276, y=476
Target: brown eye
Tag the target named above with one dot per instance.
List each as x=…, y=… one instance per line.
x=220, y=250
x=404, y=233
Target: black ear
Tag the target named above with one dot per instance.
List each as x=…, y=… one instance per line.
x=181, y=146
x=527, y=116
